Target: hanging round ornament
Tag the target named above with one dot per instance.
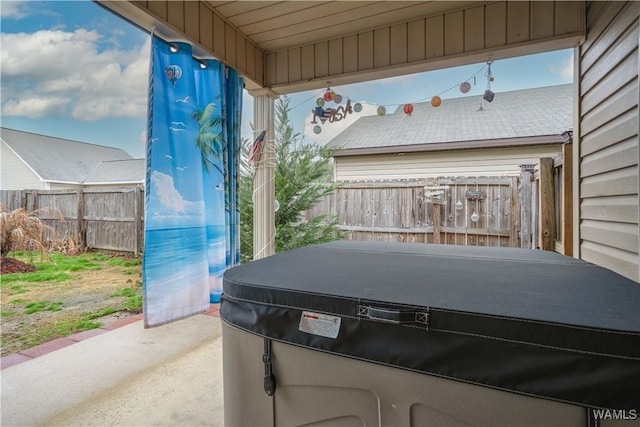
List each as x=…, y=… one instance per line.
x=465, y=87
x=320, y=102
x=317, y=129
x=381, y=111
x=436, y=101
x=357, y=107
x=328, y=95
x=408, y=109
x=337, y=98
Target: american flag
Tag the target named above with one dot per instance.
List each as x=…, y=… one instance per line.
x=326, y=115
x=256, y=148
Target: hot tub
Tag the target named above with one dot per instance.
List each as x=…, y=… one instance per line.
x=398, y=334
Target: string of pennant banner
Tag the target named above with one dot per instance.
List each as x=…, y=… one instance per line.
x=330, y=108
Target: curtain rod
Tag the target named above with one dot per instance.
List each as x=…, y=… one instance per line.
x=170, y=37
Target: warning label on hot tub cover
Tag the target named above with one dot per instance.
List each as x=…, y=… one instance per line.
x=320, y=324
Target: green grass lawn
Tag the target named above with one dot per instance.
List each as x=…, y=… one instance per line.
x=66, y=294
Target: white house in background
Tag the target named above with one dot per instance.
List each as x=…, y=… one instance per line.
x=40, y=162
x=464, y=136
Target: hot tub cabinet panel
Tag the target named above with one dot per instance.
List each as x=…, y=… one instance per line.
x=369, y=333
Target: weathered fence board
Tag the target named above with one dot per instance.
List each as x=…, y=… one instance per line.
x=399, y=211
x=481, y=211
x=98, y=218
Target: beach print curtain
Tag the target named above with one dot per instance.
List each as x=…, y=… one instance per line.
x=191, y=212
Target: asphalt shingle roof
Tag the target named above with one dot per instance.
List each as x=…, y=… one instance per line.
x=63, y=160
x=523, y=113
x=131, y=170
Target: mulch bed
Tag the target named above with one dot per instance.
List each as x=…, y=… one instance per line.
x=12, y=265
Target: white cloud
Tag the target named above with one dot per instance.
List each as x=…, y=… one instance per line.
x=34, y=106
x=564, y=69
x=143, y=138
x=172, y=203
x=68, y=68
x=406, y=79
x=14, y=9
x=166, y=192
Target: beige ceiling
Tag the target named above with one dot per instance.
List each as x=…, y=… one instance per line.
x=274, y=25
x=289, y=46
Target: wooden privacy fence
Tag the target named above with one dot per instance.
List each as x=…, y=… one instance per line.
x=458, y=211
x=98, y=218
x=532, y=210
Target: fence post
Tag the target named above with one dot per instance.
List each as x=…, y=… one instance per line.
x=547, y=206
x=80, y=218
x=514, y=214
x=436, y=223
x=29, y=200
x=525, y=205
x=514, y=218
x=567, y=202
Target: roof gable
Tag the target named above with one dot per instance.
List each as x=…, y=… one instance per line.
x=56, y=159
x=517, y=114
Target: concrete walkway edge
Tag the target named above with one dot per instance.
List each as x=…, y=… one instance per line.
x=59, y=383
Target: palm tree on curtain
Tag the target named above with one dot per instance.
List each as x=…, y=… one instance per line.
x=211, y=143
x=236, y=157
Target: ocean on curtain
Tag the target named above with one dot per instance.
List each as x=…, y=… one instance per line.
x=191, y=227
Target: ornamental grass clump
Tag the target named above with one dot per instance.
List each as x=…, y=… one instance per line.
x=22, y=229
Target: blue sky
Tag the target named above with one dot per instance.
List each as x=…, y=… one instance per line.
x=74, y=70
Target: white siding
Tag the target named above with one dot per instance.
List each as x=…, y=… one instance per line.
x=481, y=162
x=54, y=186
x=608, y=154
x=14, y=174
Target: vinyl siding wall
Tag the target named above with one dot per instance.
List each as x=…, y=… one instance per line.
x=59, y=186
x=14, y=174
x=608, y=153
x=467, y=163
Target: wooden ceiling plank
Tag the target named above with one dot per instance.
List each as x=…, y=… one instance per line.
x=217, y=3
x=273, y=11
x=236, y=8
x=336, y=12
x=351, y=22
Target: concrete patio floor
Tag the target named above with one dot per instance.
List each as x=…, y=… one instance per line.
x=170, y=375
